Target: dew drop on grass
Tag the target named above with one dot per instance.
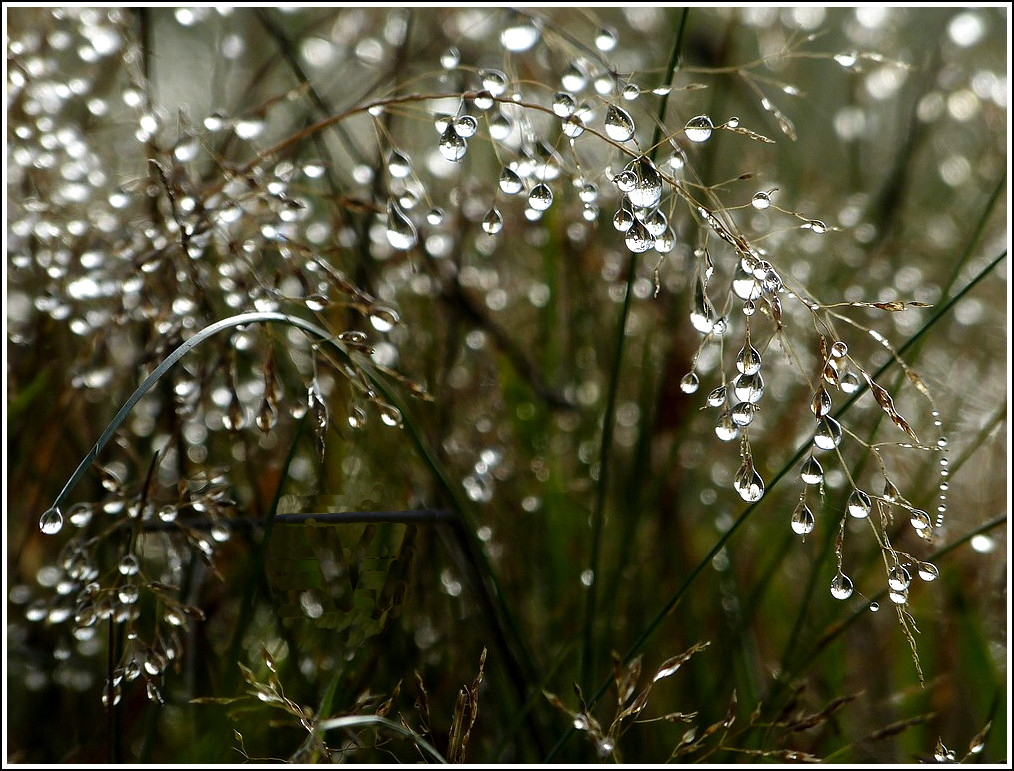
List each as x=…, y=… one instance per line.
x=573, y=126
x=520, y=33
x=816, y=226
x=267, y=415
x=80, y=514
x=699, y=129
x=689, y=383
x=839, y=349
x=898, y=597
x=820, y=405
x=859, y=504
x=748, y=388
x=702, y=314
x=638, y=239
x=494, y=81
x=619, y=124
x=466, y=126
x=450, y=58
x=564, y=104
x=802, y=519
x=828, y=434
x=452, y=146
x=492, y=223
x=316, y=302
x=849, y=382
x=920, y=520
x=384, y=319
x=51, y=522
x=541, y=197
x=483, y=100
x=898, y=578
x=390, y=415
x=401, y=232
x=745, y=285
x=500, y=127
x=749, y=360
x=647, y=188
x=573, y=78
x=927, y=571
x=510, y=182
x=717, y=397
x=841, y=586
x=630, y=92
x=399, y=164
x=128, y=594
x=725, y=428
x=128, y=565
x=811, y=472
x=761, y=200
x=605, y=39
x=748, y=483
x=874, y=607
x=743, y=413
x=357, y=417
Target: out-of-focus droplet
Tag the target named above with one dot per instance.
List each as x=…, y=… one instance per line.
x=401, y=232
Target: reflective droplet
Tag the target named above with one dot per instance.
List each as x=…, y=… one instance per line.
x=500, y=127
x=384, y=319
x=466, y=126
x=541, y=197
x=267, y=415
x=128, y=565
x=520, y=33
x=689, y=383
x=357, y=417
x=619, y=124
x=647, y=189
x=898, y=596
x=510, y=182
x=743, y=413
x=401, y=232
x=859, y=504
x=573, y=78
x=748, y=482
x=841, y=586
x=816, y=226
x=564, y=104
x=828, y=434
x=927, y=571
x=630, y=92
x=492, y=223
x=220, y=532
x=638, y=239
x=920, y=520
x=493, y=81
x=605, y=39
x=811, y=472
x=450, y=58
x=839, y=349
x=128, y=594
x=761, y=200
x=699, y=129
x=849, y=382
x=452, y=146
x=316, y=302
x=398, y=164
x=725, y=428
x=820, y=405
x=390, y=415
x=748, y=388
x=898, y=578
x=666, y=242
x=623, y=219
x=702, y=314
x=51, y=522
x=717, y=397
x=802, y=519
x=483, y=100
x=745, y=285
x=573, y=126
x=80, y=514
x=234, y=415
x=168, y=513
x=891, y=493
x=874, y=607
x=749, y=360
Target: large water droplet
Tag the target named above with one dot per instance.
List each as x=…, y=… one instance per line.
x=564, y=104
x=811, y=472
x=541, y=197
x=745, y=285
x=725, y=428
x=802, y=519
x=828, y=433
x=267, y=415
x=749, y=360
x=859, y=504
x=638, y=239
x=390, y=415
x=51, y=522
x=899, y=578
x=717, y=397
x=605, y=39
x=689, y=383
x=841, y=586
x=699, y=129
x=920, y=520
x=492, y=223
x=619, y=124
x=401, y=232
x=129, y=565
x=493, y=81
x=820, y=405
x=384, y=319
x=748, y=482
x=510, y=182
x=849, y=382
x=398, y=164
x=647, y=190
x=573, y=78
x=749, y=388
x=520, y=33
x=452, y=146
x=761, y=200
x=465, y=126
x=702, y=314
x=927, y=571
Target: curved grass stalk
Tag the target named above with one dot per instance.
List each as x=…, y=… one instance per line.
x=353, y=721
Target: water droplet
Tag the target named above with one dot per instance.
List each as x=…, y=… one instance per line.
x=638, y=239
x=128, y=565
x=689, y=383
x=357, y=417
x=847, y=59
x=483, y=100
x=573, y=78
x=619, y=124
x=623, y=219
x=743, y=413
x=761, y=200
x=80, y=514
x=699, y=129
x=839, y=350
x=466, y=126
x=820, y=405
x=919, y=520
x=452, y=146
x=234, y=415
x=450, y=58
x=318, y=414
x=128, y=593
x=573, y=126
x=733, y=122
x=647, y=189
x=749, y=388
x=398, y=164
x=927, y=571
x=384, y=319
x=541, y=197
x=267, y=415
x=802, y=519
x=874, y=607
x=717, y=397
x=220, y=532
x=749, y=360
x=811, y=472
x=828, y=434
x=725, y=428
x=898, y=597
x=816, y=226
x=841, y=586
x=859, y=504
x=493, y=81
x=588, y=193
x=849, y=382
x=316, y=302
x=898, y=578
x=390, y=415
x=745, y=285
x=748, y=482
x=666, y=242
x=564, y=104
x=51, y=522
x=605, y=39
x=587, y=577
x=492, y=223
x=630, y=92
x=510, y=182
x=702, y=314
x=520, y=33
x=401, y=232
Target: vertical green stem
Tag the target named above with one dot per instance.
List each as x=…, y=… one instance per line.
x=605, y=451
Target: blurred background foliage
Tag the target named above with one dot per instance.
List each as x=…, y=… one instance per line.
x=141, y=207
